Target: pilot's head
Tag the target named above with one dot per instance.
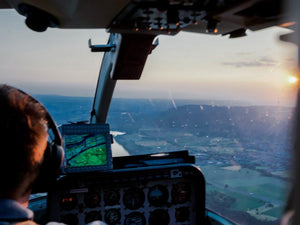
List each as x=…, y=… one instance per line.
x=23, y=138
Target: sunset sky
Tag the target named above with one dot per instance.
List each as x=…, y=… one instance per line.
x=255, y=68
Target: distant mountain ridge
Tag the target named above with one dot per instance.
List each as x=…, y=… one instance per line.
x=238, y=121
x=129, y=115
x=242, y=122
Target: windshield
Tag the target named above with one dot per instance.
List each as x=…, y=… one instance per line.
x=230, y=102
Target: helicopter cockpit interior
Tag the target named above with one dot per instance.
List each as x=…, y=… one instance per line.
x=151, y=188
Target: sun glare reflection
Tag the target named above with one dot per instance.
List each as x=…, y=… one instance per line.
x=292, y=79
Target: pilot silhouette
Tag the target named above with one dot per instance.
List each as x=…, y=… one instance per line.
x=24, y=140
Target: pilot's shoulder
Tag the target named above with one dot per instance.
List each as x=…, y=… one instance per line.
x=27, y=222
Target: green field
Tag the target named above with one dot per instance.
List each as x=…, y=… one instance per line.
x=274, y=212
x=269, y=190
x=242, y=202
x=261, y=196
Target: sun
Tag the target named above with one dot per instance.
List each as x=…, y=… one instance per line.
x=292, y=79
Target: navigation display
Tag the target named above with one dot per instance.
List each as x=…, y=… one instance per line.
x=87, y=147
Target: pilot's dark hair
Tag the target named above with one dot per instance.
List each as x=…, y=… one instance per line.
x=22, y=125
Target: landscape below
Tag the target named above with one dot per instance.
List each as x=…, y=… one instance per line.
x=243, y=151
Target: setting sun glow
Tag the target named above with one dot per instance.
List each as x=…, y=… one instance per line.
x=292, y=79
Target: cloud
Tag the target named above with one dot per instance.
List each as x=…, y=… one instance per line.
x=243, y=53
x=263, y=62
x=268, y=60
x=291, y=59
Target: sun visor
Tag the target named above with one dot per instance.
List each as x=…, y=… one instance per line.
x=133, y=53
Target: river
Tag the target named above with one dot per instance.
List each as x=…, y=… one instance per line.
x=117, y=149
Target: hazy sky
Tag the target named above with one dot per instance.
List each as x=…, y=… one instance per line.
x=253, y=68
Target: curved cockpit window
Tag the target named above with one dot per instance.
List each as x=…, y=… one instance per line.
x=230, y=102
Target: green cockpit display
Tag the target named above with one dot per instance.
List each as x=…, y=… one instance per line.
x=85, y=150
x=87, y=147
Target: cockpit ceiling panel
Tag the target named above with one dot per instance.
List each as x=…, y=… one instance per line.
x=77, y=13
x=162, y=16
x=222, y=27
x=251, y=14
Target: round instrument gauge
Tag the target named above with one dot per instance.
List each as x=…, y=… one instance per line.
x=133, y=198
x=159, y=217
x=92, y=216
x=68, y=202
x=181, y=193
x=112, y=216
x=69, y=219
x=92, y=199
x=182, y=214
x=111, y=197
x=158, y=195
x=135, y=218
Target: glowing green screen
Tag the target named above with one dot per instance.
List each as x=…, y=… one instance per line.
x=85, y=150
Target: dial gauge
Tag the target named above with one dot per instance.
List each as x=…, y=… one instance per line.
x=111, y=197
x=91, y=199
x=135, y=218
x=67, y=201
x=181, y=193
x=158, y=195
x=112, y=216
x=182, y=214
x=159, y=217
x=133, y=198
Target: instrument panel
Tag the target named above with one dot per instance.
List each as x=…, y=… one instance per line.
x=137, y=196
